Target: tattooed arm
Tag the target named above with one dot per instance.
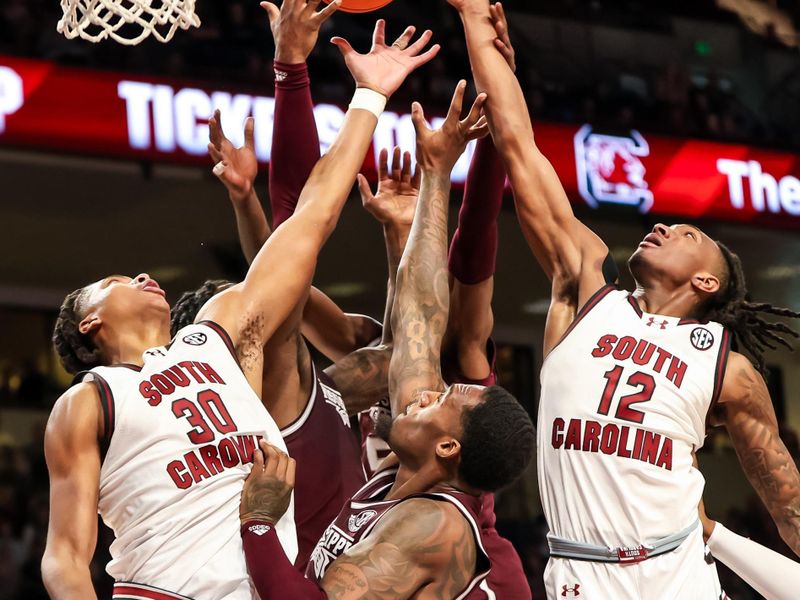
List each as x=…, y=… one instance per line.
x=422, y=297
x=362, y=377
x=281, y=273
x=393, y=206
x=421, y=546
x=746, y=410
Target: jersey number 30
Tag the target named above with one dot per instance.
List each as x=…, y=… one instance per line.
x=643, y=381
x=213, y=410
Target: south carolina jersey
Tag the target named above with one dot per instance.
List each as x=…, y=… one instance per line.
x=624, y=401
x=180, y=434
x=328, y=468
x=367, y=507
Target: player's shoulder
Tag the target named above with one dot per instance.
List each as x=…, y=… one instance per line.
x=742, y=382
x=76, y=415
x=79, y=397
x=417, y=523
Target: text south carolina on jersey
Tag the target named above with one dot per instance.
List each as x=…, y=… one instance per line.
x=210, y=459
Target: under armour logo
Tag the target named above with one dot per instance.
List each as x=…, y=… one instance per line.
x=653, y=321
x=572, y=591
x=155, y=352
x=259, y=529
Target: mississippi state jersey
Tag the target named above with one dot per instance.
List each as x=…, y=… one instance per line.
x=180, y=432
x=328, y=469
x=507, y=577
x=624, y=401
x=363, y=512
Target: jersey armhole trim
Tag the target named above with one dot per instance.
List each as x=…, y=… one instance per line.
x=719, y=372
x=220, y=330
x=588, y=306
x=106, y=403
x=298, y=423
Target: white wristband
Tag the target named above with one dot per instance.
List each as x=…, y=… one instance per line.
x=370, y=100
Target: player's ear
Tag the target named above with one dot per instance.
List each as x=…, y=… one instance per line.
x=90, y=324
x=448, y=448
x=705, y=282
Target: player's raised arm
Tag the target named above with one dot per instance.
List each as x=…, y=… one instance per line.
x=422, y=297
x=237, y=168
x=363, y=376
x=746, y=410
x=72, y=451
x=282, y=270
x=295, y=141
x=567, y=250
x=393, y=206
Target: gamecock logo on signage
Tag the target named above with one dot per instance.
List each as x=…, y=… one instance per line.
x=610, y=169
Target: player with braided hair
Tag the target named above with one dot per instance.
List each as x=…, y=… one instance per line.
x=74, y=349
x=630, y=381
x=730, y=308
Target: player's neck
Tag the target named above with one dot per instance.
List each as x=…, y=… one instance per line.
x=410, y=481
x=128, y=345
x=659, y=300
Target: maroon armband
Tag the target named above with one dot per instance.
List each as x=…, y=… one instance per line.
x=272, y=573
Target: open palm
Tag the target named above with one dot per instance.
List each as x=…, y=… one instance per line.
x=236, y=167
x=385, y=68
x=395, y=200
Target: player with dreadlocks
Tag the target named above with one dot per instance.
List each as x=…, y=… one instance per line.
x=618, y=487
x=158, y=434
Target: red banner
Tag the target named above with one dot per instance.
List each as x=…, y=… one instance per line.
x=46, y=106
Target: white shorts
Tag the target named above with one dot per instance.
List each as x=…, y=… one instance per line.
x=683, y=574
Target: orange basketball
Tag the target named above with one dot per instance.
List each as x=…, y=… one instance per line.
x=361, y=6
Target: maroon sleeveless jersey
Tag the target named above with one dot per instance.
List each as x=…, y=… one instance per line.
x=507, y=579
x=367, y=507
x=328, y=468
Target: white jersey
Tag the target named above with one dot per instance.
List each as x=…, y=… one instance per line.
x=624, y=400
x=181, y=431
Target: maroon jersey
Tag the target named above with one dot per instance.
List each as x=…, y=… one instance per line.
x=328, y=468
x=507, y=579
x=367, y=507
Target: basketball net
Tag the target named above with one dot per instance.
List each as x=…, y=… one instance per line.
x=126, y=21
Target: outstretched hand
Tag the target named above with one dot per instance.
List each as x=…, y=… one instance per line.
x=385, y=68
x=395, y=201
x=236, y=168
x=295, y=27
x=268, y=489
x=503, y=41
x=439, y=150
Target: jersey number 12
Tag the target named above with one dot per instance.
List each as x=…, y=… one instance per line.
x=643, y=381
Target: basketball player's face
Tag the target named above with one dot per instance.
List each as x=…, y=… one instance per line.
x=119, y=299
x=431, y=418
x=676, y=254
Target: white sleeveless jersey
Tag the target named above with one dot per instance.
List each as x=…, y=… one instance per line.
x=181, y=432
x=624, y=400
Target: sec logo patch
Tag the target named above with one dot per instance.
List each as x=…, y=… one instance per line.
x=702, y=338
x=195, y=339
